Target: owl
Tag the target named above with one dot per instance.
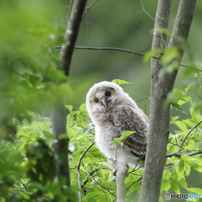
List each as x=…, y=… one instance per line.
x=113, y=111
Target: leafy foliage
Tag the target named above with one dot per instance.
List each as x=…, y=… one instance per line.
x=184, y=145
x=29, y=163
x=29, y=84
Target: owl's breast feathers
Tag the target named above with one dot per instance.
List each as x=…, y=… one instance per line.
x=127, y=118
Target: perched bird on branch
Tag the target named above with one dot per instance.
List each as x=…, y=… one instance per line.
x=113, y=111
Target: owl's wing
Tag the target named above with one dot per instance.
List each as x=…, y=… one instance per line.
x=130, y=119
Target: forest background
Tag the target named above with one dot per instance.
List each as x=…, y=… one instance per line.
x=30, y=83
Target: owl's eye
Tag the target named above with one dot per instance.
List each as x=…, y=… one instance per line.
x=107, y=93
x=96, y=99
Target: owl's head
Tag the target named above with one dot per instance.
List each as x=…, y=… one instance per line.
x=103, y=96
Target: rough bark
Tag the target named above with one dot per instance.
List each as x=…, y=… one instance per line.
x=59, y=112
x=160, y=87
x=72, y=33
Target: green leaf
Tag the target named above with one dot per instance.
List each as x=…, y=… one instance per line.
x=175, y=186
x=120, y=82
x=193, y=162
x=181, y=126
x=183, y=183
x=196, y=115
x=153, y=53
x=165, y=185
x=169, y=55
x=87, y=130
x=187, y=88
x=164, y=31
x=187, y=168
x=124, y=135
x=69, y=107
x=177, y=106
x=195, y=190
x=91, y=195
x=189, y=123
x=180, y=170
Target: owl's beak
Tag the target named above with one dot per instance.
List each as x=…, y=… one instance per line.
x=104, y=102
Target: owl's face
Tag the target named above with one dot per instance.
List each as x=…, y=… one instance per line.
x=103, y=96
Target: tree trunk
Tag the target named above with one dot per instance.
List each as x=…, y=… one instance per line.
x=59, y=112
x=160, y=87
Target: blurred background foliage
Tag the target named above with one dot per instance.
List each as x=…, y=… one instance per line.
x=32, y=29
x=29, y=80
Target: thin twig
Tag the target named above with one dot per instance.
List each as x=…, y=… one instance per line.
x=181, y=146
x=88, y=7
x=24, y=185
x=144, y=10
x=84, y=153
x=119, y=49
x=193, y=153
x=107, y=48
x=90, y=174
x=139, y=179
x=178, y=154
x=104, y=187
x=144, y=98
x=78, y=170
x=143, y=29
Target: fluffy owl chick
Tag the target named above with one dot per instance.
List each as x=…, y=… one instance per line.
x=113, y=111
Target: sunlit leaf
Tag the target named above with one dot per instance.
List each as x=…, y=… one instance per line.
x=124, y=135
x=177, y=106
x=181, y=125
x=163, y=31
x=153, y=53
x=120, y=82
x=169, y=55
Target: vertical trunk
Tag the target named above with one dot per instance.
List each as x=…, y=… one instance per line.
x=160, y=87
x=59, y=112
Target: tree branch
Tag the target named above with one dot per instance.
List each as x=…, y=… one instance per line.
x=181, y=146
x=144, y=98
x=120, y=50
x=78, y=169
x=84, y=153
x=144, y=10
x=178, y=154
x=139, y=179
x=88, y=7
x=71, y=34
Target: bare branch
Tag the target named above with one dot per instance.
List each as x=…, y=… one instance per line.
x=120, y=50
x=107, y=48
x=84, y=153
x=88, y=7
x=104, y=187
x=82, y=185
x=144, y=10
x=78, y=170
x=178, y=154
x=144, y=98
x=71, y=34
x=193, y=153
x=139, y=179
x=181, y=146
